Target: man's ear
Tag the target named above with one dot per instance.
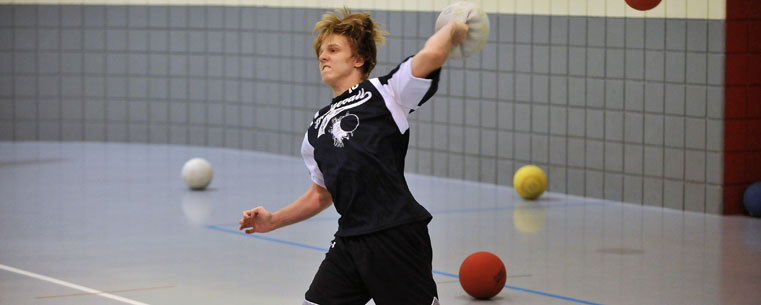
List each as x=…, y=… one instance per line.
x=358, y=61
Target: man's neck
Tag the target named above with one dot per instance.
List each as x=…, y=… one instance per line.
x=345, y=84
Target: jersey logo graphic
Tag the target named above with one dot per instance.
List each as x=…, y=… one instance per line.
x=355, y=100
x=339, y=134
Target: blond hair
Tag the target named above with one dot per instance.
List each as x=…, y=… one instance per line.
x=360, y=30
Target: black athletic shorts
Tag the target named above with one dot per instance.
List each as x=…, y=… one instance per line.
x=392, y=267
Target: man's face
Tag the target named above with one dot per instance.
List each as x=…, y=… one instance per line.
x=336, y=59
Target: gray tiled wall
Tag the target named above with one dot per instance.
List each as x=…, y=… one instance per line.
x=234, y=77
x=616, y=108
x=622, y=109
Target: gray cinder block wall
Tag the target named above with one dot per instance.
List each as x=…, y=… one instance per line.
x=625, y=109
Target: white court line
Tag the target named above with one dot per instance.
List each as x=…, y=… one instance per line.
x=70, y=285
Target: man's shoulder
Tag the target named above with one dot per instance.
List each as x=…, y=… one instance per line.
x=375, y=84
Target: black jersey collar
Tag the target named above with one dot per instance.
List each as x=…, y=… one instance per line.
x=346, y=93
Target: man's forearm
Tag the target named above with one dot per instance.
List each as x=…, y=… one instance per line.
x=436, y=50
x=311, y=203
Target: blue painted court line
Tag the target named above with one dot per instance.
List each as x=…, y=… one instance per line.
x=259, y=236
x=528, y=290
x=290, y=243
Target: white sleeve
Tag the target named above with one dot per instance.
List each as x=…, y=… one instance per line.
x=403, y=92
x=408, y=89
x=307, y=152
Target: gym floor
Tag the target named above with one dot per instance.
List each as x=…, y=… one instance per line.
x=105, y=223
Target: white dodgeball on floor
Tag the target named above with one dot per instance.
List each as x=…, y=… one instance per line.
x=197, y=173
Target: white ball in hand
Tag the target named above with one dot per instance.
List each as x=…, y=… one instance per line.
x=477, y=21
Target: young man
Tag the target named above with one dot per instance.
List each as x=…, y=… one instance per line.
x=354, y=149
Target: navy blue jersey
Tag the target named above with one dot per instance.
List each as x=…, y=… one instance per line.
x=355, y=148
